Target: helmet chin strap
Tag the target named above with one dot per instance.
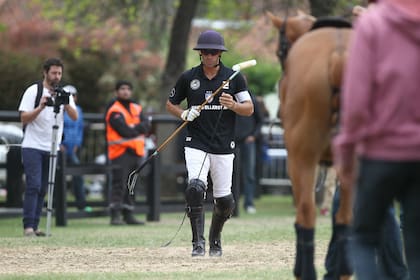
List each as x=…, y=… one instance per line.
x=218, y=61
x=215, y=66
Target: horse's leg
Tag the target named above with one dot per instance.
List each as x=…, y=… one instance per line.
x=344, y=214
x=282, y=96
x=302, y=176
x=341, y=229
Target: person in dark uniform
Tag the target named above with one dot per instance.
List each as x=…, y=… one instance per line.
x=247, y=132
x=125, y=129
x=209, y=143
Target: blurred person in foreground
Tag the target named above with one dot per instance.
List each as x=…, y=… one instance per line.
x=71, y=144
x=209, y=144
x=38, y=120
x=378, y=147
x=126, y=126
x=389, y=256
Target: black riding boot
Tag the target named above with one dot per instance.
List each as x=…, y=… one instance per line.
x=116, y=217
x=196, y=215
x=221, y=212
x=130, y=219
x=216, y=227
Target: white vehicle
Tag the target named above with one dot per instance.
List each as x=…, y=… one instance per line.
x=10, y=135
x=273, y=172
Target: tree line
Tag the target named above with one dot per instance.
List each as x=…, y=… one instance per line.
x=145, y=41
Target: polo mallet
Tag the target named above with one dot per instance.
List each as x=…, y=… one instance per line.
x=132, y=178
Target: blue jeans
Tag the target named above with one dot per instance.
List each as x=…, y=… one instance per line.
x=378, y=185
x=35, y=164
x=78, y=185
x=247, y=164
x=389, y=254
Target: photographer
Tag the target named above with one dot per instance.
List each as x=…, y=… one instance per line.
x=41, y=107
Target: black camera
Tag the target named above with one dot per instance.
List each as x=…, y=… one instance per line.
x=61, y=97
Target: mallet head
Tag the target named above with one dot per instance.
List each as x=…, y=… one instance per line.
x=243, y=65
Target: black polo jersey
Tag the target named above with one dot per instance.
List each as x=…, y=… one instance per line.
x=214, y=130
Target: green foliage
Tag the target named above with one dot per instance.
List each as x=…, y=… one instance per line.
x=88, y=13
x=98, y=42
x=101, y=41
x=344, y=7
x=17, y=71
x=84, y=72
x=149, y=16
x=221, y=9
x=322, y=7
x=261, y=78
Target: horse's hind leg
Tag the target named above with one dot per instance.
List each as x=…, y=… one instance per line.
x=341, y=226
x=303, y=177
x=304, y=268
x=338, y=262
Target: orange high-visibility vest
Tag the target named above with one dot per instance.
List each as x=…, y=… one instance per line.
x=117, y=145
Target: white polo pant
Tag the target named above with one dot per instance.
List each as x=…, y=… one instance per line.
x=200, y=163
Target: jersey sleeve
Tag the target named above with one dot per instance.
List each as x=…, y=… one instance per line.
x=241, y=89
x=179, y=91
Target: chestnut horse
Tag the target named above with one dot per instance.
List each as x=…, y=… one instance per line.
x=313, y=61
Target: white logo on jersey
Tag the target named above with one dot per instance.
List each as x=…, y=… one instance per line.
x=172, y=94
x=188, y=139
x=226, y=86
x=208, y=96
x=232, y=145
x=195, y=84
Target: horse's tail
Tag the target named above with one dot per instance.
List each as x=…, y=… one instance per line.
x=335, y=72
x=336, y=67
x=337, y=63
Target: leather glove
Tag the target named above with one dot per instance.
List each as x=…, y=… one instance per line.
x=190, y=114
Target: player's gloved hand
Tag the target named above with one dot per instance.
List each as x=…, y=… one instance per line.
x=190, y=114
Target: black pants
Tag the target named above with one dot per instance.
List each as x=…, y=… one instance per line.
x=120, y=197
x=389, y=254
x=378, y=184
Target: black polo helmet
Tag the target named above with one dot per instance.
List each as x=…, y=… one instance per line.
x=212, y=40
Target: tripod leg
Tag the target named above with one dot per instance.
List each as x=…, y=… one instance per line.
x=51, y=176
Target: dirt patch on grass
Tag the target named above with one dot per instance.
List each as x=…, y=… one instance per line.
x=37, y=260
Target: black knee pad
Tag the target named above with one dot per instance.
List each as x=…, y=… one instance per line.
x=224, y=206
x=195, y=192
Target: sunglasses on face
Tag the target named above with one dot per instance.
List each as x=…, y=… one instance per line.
x=210, y=51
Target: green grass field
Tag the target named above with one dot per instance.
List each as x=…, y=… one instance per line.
x=259, y=246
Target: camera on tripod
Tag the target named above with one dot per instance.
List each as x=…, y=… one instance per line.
x=61, y=97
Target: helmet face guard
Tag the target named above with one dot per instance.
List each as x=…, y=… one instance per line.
x=210, y=40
